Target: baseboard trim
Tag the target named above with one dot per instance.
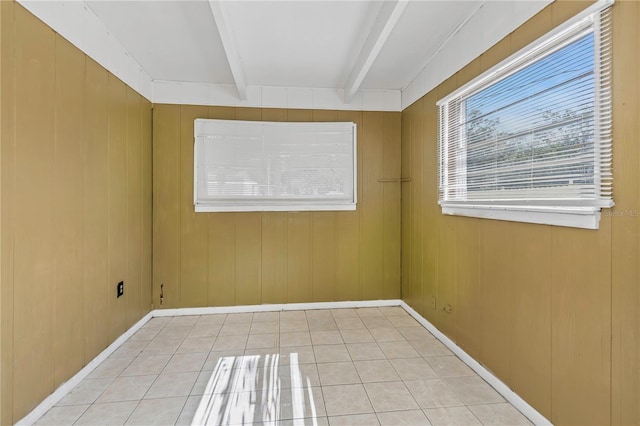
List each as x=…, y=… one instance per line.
x=519, y=403
x=64, y=388
x=274, y=307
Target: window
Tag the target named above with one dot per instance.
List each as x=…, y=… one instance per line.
x=530, y=140
x=268, y=166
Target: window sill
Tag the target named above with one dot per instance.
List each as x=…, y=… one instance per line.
x=273, y=208
x=574, y=217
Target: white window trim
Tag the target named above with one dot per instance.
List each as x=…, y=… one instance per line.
x=587, y=217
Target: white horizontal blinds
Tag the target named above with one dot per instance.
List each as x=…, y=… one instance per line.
x=241, y=162
x=539, y=131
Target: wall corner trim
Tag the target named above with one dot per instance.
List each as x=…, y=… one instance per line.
x=519, y=403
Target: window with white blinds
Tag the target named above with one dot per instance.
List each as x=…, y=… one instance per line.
x=274, y=166
x=530, y=140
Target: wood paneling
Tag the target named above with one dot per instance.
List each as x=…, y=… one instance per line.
x=552, y=311
x=68, y=210
x=276, y=257
x=72, y=200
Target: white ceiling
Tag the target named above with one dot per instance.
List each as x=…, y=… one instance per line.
x=328, y=54
x=279, y=43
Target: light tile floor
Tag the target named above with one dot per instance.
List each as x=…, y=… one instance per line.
x=366, y=366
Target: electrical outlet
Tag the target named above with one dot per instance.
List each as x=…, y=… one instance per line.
x=120, y=289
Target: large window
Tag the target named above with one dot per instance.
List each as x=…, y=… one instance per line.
x=269, y=166
x=530, y=140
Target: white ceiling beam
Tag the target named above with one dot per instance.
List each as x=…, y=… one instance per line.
x=380, y=31
x=230, y=48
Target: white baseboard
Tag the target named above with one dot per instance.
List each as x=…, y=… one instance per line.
x=273, y=308
x=520, y=404
x=64, y=388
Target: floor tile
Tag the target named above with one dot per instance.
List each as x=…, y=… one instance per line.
x=214, y=357
x=264, y=327
x=144, y=334
x=376, y=371
x=288, y=326
x=309, y=421
x=365, y=351
x=266, y=316
x=162, y=346
x=157, y=412
x=87, y=391
x=145, y=365
x=239, y=317
x=321, y=324
x=157, y=322
x=186, y=320
x=113, y=413
x=212, y=319
x=354, y=420
x=181, y=363
x=451, y=416
x=129, y=349
x=329, y=337
x=293, y=316
x=338, y=373
x=369, y=312
x=413, y=369
x=62, y=415
x=408, y=417
x=188, y=411
x=376, y=322
x=196, y=345
x=386, y=335
x=204, y=331
x=230, y=342
x=398, y=350
x=176, y=332
x=356, y=336
x=499, y=414
x=296, y=338
x=331, y=353
x=415, y=333
x=430, y=346
x=432, y=393
x=449, y=366
x=169, y=385
x=349, y=323
x=390, y=396
x=257, y=341
x=344, y=313
x=235, y=328
x=393, y=311
x=405, y=321
x=127, y=388
x=473, y=390
x=110, y=367
x=301, y=375
x=346, y=399
x=301, y=354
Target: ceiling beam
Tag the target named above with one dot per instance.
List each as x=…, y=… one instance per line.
x=386, y=20
x=230, y=48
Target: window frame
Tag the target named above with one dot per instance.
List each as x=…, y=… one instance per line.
x=303, y=203
x=527, y=210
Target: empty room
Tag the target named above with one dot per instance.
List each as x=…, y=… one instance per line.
x=310, y=212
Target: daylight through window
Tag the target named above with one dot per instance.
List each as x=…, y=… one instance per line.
x=530, y=140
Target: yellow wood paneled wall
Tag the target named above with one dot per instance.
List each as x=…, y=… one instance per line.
x=554, y=312
x=75, y=199
x=216, y=259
